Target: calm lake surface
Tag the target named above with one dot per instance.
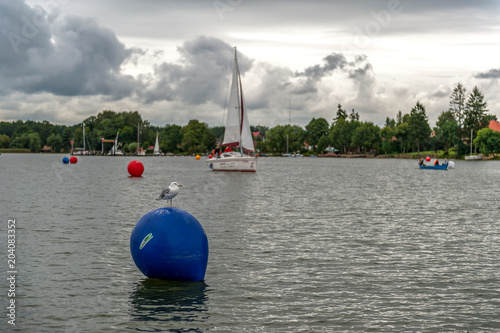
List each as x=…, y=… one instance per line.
x=303, y=245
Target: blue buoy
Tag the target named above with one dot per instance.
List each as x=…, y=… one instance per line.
x=170, y=244
x=65, y=160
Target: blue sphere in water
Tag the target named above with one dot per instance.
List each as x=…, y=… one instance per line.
x=170, y=244
x=65, y=160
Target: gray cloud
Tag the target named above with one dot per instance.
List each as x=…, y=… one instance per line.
x=72, y=56
x=69, y=61
x=357, y=69
x=201, y=75
x=493, y=73
x=441, y=92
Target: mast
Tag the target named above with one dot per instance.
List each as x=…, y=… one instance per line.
x=240, y=95
x=289, y=121
x=137, y=146
x=83, y=125
x=237, y=127
x=471, y=141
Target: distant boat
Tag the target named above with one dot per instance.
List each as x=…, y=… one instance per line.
x=472, y=157
x=114, y=150
x=237, y=133
x=157, y=151
x=434, y=167
x=448, y=165
x=80, y=151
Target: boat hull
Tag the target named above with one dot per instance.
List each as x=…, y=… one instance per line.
x=434, y=167
x=473, y=157
x=233, y=162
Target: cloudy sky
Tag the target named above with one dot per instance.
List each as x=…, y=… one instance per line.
x=65, y=60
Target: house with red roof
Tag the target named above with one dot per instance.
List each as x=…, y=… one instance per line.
x=494, y=125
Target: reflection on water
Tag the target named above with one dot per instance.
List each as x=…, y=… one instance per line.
x=157, y=304
x=303, y=245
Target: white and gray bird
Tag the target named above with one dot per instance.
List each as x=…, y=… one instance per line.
x=170, y=192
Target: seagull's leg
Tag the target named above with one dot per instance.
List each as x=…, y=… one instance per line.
x=169, y=202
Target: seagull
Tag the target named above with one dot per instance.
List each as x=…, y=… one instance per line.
x=170, y=192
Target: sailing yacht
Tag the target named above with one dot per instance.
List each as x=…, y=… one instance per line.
x=157, y=151
x=471, y=157
x=237, y=136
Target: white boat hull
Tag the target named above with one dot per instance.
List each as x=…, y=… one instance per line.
x=473, y=157
x=233, y=162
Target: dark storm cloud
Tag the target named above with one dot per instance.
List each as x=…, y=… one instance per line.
x=493, y=73
x=356, y=69
x=201, y=75
x=67, y=57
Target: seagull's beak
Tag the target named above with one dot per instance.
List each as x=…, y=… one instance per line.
x=179, y=185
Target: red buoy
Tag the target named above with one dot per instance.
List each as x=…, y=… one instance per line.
x=135, y=168
x=210, y=156
x=73, y=160
x=428, y=159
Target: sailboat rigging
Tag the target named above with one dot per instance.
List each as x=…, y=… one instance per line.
x=237, y=132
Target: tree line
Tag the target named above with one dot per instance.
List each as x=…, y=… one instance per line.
x=407, y=132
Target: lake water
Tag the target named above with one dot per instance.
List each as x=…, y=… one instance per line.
x=303, y=245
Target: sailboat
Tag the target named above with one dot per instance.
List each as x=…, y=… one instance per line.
x=157, y=151
x=114, y=150
x=80, y=151
x=472, y=157
x=237, y=134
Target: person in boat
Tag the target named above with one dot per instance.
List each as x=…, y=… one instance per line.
x=445, y=161
x=217, y=152
x=436, y=162
x=421, y=162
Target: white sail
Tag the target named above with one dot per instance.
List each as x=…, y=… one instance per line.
x=157, y=146
x=237, y=132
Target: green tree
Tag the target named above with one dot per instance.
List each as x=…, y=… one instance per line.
x=171, y=138
x=457, y=104
x=488, y=141
x=296, y=136
x=7, y=128
x=66, y=138
x=475, y=112
x=315, y=130
x=259, y=128
x=341, y=133
x=399, y=118
x=197, y=137
x=402, y=134
x=35, y=145
x=323, y=143
x=218, y=132
x=354, y=116
x=447, y=130
x=387, y=135
x=55, y=141
x=391, y=123
x=341, y=114
x=127, y=135
x=418, y=126
x=20, y=141
x=366, y=137
x=131, y=147
x=276, y=139
x=4, y=141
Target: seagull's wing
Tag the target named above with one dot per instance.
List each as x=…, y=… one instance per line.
x=164, y=193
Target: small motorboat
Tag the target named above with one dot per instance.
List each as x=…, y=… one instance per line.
x=434, y=167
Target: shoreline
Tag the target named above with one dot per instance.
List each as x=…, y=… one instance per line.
x=400, y=156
